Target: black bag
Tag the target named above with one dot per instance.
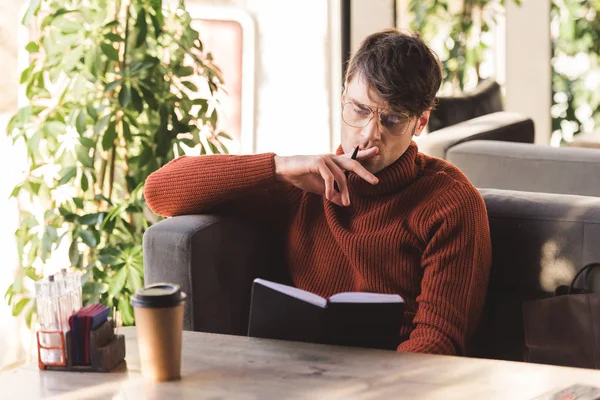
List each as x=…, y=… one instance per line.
x=564, y=329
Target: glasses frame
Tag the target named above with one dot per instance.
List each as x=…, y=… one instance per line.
x=379, y=123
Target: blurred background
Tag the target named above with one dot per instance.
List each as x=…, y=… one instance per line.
x=282, y=64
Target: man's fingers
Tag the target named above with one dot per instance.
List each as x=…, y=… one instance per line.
x=340, y=178
x=357, y=168
x=328, y=179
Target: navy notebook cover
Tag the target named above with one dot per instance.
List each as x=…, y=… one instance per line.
x=81, y=324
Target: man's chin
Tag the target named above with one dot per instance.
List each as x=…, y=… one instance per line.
x=373, y=165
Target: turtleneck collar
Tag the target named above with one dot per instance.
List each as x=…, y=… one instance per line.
x=393, y=178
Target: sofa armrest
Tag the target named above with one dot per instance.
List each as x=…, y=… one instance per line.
x=214, y=259
x=503, y=126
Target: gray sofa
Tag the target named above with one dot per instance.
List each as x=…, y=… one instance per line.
x=499, y=126
x=529, y=167
x=539, y=242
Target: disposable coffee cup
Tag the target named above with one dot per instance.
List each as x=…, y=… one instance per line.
x=158, y=313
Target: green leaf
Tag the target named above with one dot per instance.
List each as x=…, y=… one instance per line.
x=80, y=124
x=26, y=73
x=134, y=280
x=83, y=155
x=118, y=282
x=84, y=182
x=91, y=111
x=9, y=293
x=29, y=316
x=126, y=311
x=46, y=247
x=32, y=47
x=110, y=51
x=34, y=187
x=108, y=139
x=224, y=148
x=150, y=99
x=203, y=103
x=146, y=156
x=61, y=11
x=108, y=256
x=101, y=124
x=88, y=238
x=113, y=37
x=110, y=86
x=137, y=100
x=104, y=198
x=156, y=25
x=74, y=252
x=142, y=26
x=87, y=142
x=213, y=148
x=15, y=191
x=226, y=136
x=190, y=86
x=72, y=58
x=18, y=308
x=68, y=174
x=32, y=11
x=95, y=288
x=111, y=24
x=125, y=96
x=89, y=219
x=78, y=202
x=126, y=131
x=64, y=212
x=54, y=128
x=31, y=273
x=185, y=71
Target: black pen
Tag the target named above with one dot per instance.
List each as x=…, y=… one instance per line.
x=354, y=154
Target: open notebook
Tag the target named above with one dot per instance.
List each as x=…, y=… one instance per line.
x=349, y=319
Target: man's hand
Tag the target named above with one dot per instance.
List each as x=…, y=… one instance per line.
x=317, y=174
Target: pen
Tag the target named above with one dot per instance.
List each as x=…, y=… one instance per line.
x=354, y=154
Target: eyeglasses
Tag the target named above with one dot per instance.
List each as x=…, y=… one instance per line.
x=360, y=115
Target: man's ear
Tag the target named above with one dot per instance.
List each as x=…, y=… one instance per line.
x=422, y=122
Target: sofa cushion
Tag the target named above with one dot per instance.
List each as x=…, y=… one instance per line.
x=528, y=167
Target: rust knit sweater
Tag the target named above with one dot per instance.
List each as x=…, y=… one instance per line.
x=421, y=232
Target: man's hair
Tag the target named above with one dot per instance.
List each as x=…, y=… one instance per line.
x=400, y=68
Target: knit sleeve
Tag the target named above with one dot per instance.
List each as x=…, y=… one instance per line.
x=191, y=185
x=456, y=265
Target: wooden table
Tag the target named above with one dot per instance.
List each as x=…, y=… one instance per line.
x=221, y=366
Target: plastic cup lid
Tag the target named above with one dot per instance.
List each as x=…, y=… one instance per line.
x=158, y=295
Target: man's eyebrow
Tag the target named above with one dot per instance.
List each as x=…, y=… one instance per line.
x=358, y=103
x=385, y=110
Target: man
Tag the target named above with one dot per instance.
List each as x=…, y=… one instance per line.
x=401, y=222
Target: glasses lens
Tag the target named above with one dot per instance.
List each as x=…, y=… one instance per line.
x=395, y=124
x=355, y=115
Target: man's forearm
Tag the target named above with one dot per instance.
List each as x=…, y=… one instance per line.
x=190, y=185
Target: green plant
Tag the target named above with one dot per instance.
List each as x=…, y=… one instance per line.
x=460, y=31
x=576, y=68
x=112, y=97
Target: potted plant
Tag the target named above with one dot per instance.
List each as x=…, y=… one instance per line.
x=115, y=89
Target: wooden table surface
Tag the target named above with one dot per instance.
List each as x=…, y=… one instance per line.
x=221, y=366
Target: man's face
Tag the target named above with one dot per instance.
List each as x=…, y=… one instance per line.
x=392, y=135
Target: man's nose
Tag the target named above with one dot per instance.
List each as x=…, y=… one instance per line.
x=371, y=132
